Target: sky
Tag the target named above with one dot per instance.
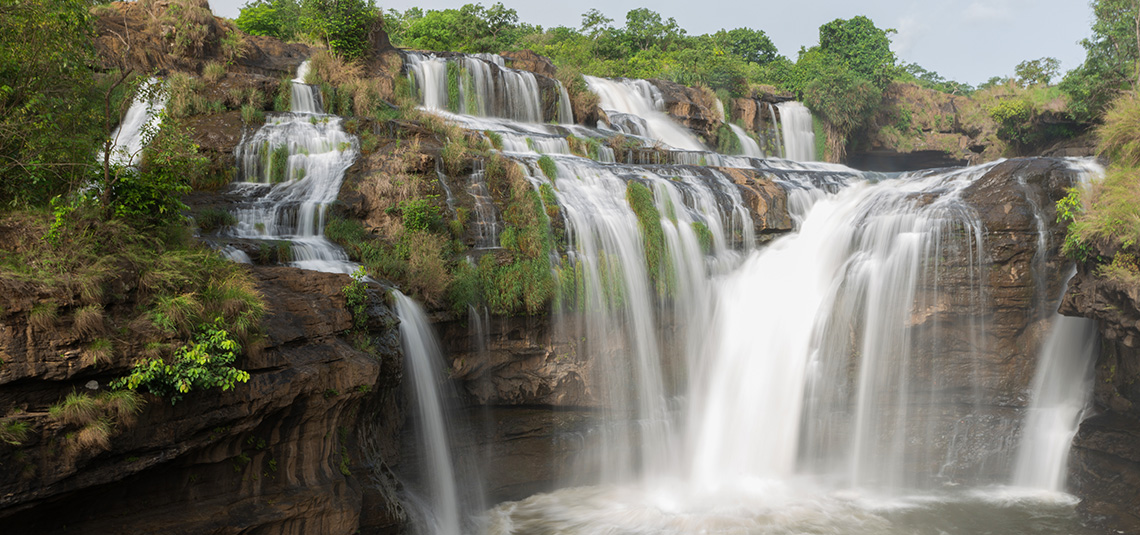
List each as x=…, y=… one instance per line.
x=963, y=40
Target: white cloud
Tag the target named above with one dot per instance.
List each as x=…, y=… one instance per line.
x=910, y=30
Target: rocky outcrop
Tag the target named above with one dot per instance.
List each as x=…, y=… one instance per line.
x=528, y=60
x=280, y=454
x=693, y=107
x=1105, y=463
x=145, y=36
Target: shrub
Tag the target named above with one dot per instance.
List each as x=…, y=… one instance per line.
x=184, y=96
x=200, y=365
x=496, y=139
x=1013, y=117
x=420, y=214
x=356, y=299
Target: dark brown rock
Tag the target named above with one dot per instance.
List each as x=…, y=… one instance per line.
x=279, y=454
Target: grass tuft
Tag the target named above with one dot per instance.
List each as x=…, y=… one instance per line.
x=213, y=71
x=77, y=409
x=90, y=320
x=43, y=315
x=100, y=350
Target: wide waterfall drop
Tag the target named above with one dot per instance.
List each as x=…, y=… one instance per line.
x=423, y=357
x=291, y=170
x=838, y=379
x=486, y=88
x=797, y=130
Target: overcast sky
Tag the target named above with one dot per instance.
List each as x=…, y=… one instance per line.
x=964, y=40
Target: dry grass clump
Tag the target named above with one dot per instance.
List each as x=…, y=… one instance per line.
x=213, y=71
x=185, y=96
x=100, y=350
x=326, y=67
x=1120, y=134
x=90, y=320
x=97, y=417
x=43, y=315
x=427, y=269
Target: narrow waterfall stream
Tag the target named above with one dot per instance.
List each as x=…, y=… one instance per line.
x=796, y=386
x=424, y=360
x=144, y=114
x=797, y=130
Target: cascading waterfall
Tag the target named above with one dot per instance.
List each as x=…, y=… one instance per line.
x=789, y=389
x=483, y=87
x=144, y=115
x=798, y=132
x=291, y=170
x=423, y=358
x=643, y=101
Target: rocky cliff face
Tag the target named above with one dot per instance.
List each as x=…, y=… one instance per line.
x=1105, y=464
x=284, y=453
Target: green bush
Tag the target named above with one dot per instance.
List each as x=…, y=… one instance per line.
x=420, y=214
x=203, y=364
x=356, y=298
x=1013, y=117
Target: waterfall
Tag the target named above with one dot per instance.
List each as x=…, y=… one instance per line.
x=799, y=134
x=748, y=146
x=1062, y=384
x=777, y=129
x=305, y=98
x=291, y=169
x=1061, y=389
x=483, y=87
x=144, y=115
x=423, y=358
x=642, y=99
x=565, y=109
x=802, y=385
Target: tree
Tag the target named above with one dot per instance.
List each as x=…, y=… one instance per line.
x=49, y=111
x=344, y=24
x=1038, y=71
x=864, y=47
x=752, y=45
x=594, y=22
x=645, y=30
x=275, y=18
x=1111, y=64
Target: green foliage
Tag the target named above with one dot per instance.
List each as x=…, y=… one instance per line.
x=1069, y=208
x=203, y=364
x=421, y=214
x=1013, y=119
x=212, y=219
x=1037, y=72
x=150, y=196
x=471, y=28
x=51, y=120
x=841, y=97
x=13, y=431
x=276, y=18
x=465, y=288
x=496, y=139
x=454, y=72
x=640, y=199
x=356, y=299
x=1110, y=65
x=344, y=24
x=548, y=167
x=861, y=46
